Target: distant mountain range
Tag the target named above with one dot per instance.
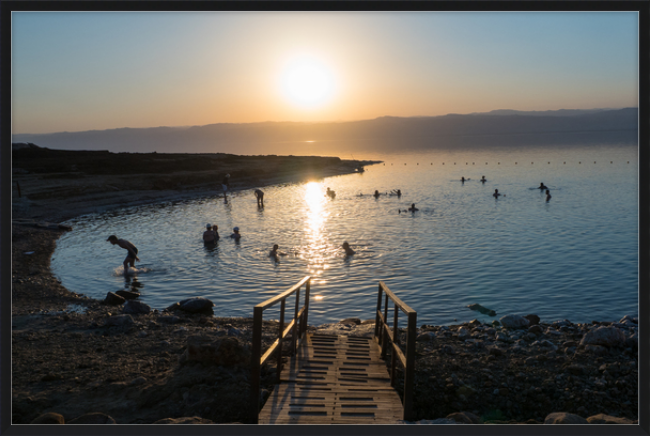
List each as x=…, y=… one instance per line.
x=503, y=127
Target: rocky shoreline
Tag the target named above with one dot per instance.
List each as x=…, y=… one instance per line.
x=80, y=360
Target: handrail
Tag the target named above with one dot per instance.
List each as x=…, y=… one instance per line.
x=384, y=336
x=297, y=327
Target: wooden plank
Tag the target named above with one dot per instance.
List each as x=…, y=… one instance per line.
x=334, y=379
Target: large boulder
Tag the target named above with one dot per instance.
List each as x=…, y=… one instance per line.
x=136, y=307
x=112, y=298
x=605, y=336
x=128, y=295
x=532, y=319
x=225, y=351
x=514, y=322
x=564, y=418
x=49, y=418
x=93, y=418
x=194, y=305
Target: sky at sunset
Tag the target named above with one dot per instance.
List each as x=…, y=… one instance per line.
x=76, y=71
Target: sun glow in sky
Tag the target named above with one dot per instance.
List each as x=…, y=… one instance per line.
x=75, y=71
x=307, y=82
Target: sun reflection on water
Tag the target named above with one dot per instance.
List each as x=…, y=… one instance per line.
x=316, y=216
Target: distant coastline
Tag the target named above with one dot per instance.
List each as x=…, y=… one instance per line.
x=377, y=135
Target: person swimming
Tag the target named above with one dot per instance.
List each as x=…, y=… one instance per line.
x=542, y=186
x=348, y=250
x=496, y=193
x=548, y=195
x=376, y=194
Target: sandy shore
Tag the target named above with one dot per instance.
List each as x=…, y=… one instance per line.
x=80, y=360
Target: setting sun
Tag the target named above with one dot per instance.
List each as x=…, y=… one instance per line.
x=307, y=82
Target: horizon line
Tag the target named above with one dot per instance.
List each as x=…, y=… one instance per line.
x=326, y=122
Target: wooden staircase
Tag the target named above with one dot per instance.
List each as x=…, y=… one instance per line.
x=334, y=380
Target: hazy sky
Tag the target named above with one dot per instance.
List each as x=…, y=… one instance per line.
x=102, y=70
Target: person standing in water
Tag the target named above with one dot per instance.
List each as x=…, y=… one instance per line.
x=483, y=179
x=348, y=250
x=209, y=236
x=259, y=194
x=275, y=253
x=132, y=254
x=542, y=186
x=548, y=195
x=496, y=193
x=236, y=236
x=225, y=184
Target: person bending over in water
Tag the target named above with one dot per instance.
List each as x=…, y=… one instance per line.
x=548, y=195
x=496, y=193
x=542, y=186
x=236, y=236
x=259, y=194
x=210, y=236
x=132, y=255
x=348, y=250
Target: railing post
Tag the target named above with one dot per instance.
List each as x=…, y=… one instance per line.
x=303, y=321
x=294, y=330
x=409, y=371
x=384, y=342
x=393, y=354
x=377, y=329
x=256, y=352
x=278, y=353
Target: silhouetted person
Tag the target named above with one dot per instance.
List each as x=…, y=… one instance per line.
x=348, y=250
x=330, y=193
x=413, y=208
x=236, y=236
x=376, y=194
x=496, y=193
x=542, y=186
x=259, y=194
x=275, y=253
x=548, y=195
x=483, y=179
x=462, y=179
x=225, y=184
x=209, y=236
x=132, y=255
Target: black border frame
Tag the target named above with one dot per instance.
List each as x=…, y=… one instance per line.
x=641, y=6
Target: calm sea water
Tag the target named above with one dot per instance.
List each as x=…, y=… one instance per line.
x=573, y=257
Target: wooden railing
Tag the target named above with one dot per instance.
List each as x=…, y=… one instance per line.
x=388, y=339
x=296, y=327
